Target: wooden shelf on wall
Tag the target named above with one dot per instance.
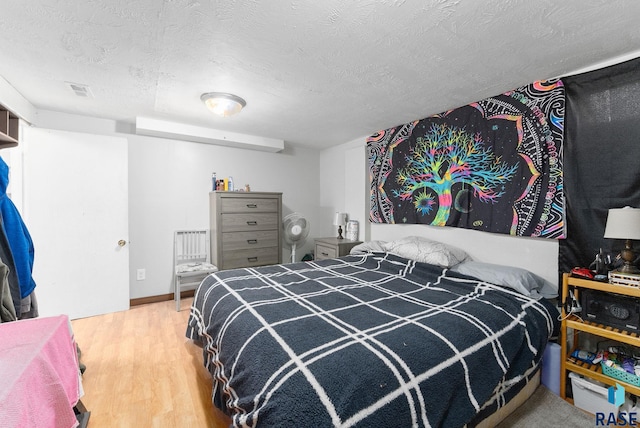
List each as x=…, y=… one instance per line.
x=9, y=128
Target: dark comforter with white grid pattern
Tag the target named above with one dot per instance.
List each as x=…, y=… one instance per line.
x=367, y=341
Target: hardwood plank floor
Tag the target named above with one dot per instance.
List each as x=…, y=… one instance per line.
x=143, y=372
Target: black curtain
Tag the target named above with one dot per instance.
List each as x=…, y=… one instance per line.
x=601, y=158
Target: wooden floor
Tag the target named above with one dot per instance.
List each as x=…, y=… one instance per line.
x=142, y=371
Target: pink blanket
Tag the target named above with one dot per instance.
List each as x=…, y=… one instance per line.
x=38, y=373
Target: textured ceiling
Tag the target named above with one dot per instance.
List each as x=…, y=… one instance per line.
x=316, y=72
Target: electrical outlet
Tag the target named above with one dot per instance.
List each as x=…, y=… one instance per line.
x=141, y=274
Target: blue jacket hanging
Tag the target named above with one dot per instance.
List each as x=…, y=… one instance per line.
x=17, y=235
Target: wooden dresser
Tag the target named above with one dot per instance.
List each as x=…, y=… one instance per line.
x=245, y=229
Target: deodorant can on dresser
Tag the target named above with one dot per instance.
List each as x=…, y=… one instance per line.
x=352, y=230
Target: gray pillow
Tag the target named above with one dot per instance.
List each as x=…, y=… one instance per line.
x=518, y=279
x=426, y=251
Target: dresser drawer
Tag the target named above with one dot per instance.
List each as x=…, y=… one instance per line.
x=254, y=257
x=249, y=205
x=249, y=240
x=246, y=222
x=325, y=252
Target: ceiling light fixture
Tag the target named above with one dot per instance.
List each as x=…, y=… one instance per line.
x=223, y=104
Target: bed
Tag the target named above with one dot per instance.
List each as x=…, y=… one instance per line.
x=370, y=339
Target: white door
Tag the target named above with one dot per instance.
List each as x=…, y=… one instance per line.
x=75, y=193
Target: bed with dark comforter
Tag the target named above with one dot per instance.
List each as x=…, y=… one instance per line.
x=364, y=340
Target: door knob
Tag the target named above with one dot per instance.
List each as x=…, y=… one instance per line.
x=122, y=243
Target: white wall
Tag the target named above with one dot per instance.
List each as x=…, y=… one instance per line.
x=340, y=188
x=343, y=186
x=169, y=182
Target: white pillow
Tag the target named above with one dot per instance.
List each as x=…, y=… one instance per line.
x=520, y=280
x=426, y=251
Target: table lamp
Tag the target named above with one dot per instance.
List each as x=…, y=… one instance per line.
x=340, y=220
x=624, y=223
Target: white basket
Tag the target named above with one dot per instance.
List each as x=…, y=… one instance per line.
x=590, y=396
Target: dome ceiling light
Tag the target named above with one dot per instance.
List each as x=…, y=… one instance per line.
x=223, y=104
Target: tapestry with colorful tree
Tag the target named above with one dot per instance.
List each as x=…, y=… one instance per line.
x=494, y=165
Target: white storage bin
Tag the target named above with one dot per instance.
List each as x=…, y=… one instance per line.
x=590, y=396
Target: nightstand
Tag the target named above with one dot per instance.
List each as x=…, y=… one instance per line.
x=330, y=248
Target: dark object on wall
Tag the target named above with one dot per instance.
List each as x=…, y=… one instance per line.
x=601, y=169
x=494, y=165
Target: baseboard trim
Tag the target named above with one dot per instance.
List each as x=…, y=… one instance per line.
x=160, y=298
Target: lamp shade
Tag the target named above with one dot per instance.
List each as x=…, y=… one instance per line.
x=623, y=223
x=223, y=104
x=340, y=219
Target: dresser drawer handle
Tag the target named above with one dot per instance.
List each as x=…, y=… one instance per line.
x=252, y=223
x=325, y=254
x=252, y=206
x=252, y=241
x=252, y=259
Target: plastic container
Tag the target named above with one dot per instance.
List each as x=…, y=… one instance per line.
x=230, y=189
x=214, y=182
x=591, y=396
x=620, y=375
x=352, y=230
x=550, y=376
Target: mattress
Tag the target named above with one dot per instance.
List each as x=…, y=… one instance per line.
x=365, y=340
